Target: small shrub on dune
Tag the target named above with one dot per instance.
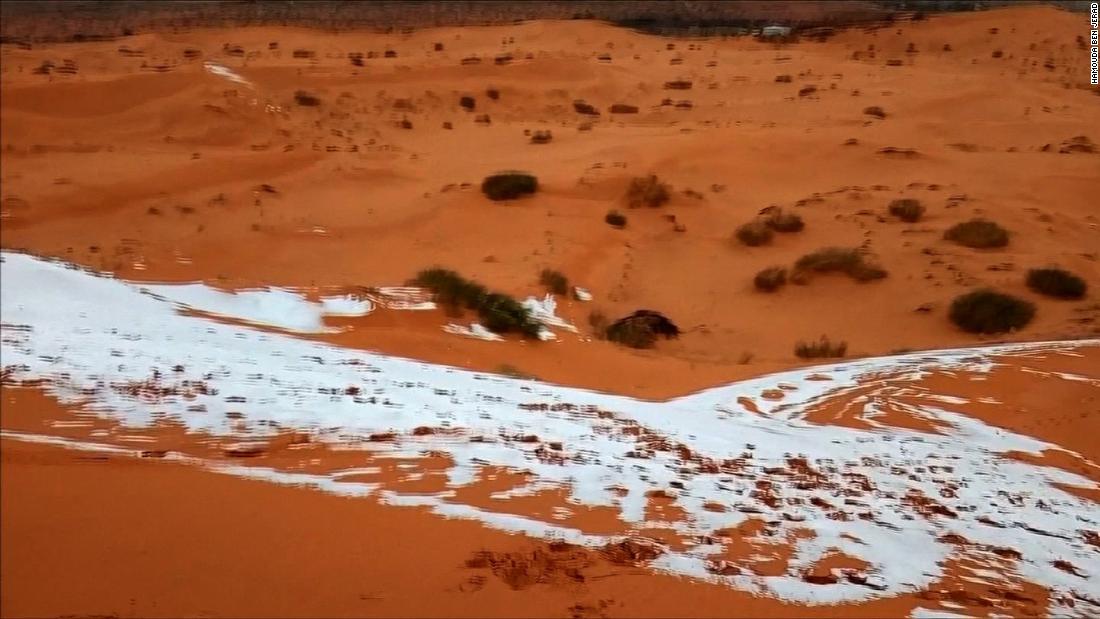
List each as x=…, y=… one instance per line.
x=987, y=311
x=875, y=111
x=641, y=329
x=554, y=281
x=781, y=221
x=907, y=209
x=599, y=323
x=647, y=191
x=493, y=94
x=542, y=137
x=623, y=108
x=1057, y=283
x=587, y=109
x=821, y=349
x=754, y=234
x=497, y=312
x=978, y=234
x=467, y=103
x=509, y=185
x=838, y=260
x=615, y=219
x=770, y=279
x=302, y=97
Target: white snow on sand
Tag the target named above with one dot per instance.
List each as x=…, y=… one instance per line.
x=90, y=336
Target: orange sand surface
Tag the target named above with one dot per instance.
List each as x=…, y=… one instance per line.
x=143, y=163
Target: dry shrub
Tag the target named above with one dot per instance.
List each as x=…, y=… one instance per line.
x=781, y=221
x=821, y=349
x=468, y=103
x=623, y=108
x=754, y=234
x=875, y=111
x=987, y=311
x=587, y=109
x=302, y=97
x=978, y=234
x=541, y=137
x=1057, y=283
x=641, y=329
x=509, y=185
x=647, y=191
x=770, y=279
x=907, y=209
x=837, y=259
x=554, y=281
x=615, y=219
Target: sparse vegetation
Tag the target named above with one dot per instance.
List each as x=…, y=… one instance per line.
x=587, y=109
x=837, y=259
x=497, y=312
x=978, y=234
x=1057, y=283
x=806, y=91
x=542, y=137
x=782, y=221
x=467, y=102
x=554, y=281
x=875, y=111
x=509, y=185
x=783, y=79
x=770, y=279
x=641, y=329
x=988, y=311
x=907, y=209
x=823, y=348
x=647, y=191
x=615, y=219
x=754, y=234
x=599, y=322
x=623, y=108
x=302, y=97
x=492, y=93
x=511, y=371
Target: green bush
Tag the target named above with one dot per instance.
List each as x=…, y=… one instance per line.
x=823, y=348
x=978, y=234
x=497, y=312
x=554, y=281
x=509, y=185
x=987, y=311
x=641, y=329
x=907, y=209
x=1056, y=283
x=647, y=191
x=754, y=234
x=781, y=221
x=615, y=219
x=838, y=259
x=770, y=279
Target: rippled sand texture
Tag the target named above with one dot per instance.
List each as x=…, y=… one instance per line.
x=808, y=485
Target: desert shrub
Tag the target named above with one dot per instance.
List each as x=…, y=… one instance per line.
x=599, y=322
x=875, y=111
x=978, y=234
x=781, y=221
x=907, y=209
x=1055, y=282
x=467, y=102
x=623, y=108
x=509, y=185
x=542, y=137
x=647, y=191
x=987, y=311
x=497, y=312
x=678, y=85
x=823, y=348
x=615, y=219
x=770, y=279
x=806, y=91
x=493, y=94
x=641, y=329
x=588, y=109
x=302, y=97
x=838, y=259
x=554, y=281
x=754, y=234
x=783, y=79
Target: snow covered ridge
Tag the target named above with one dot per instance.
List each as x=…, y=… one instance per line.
x=225, y=72
x=897, y=499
